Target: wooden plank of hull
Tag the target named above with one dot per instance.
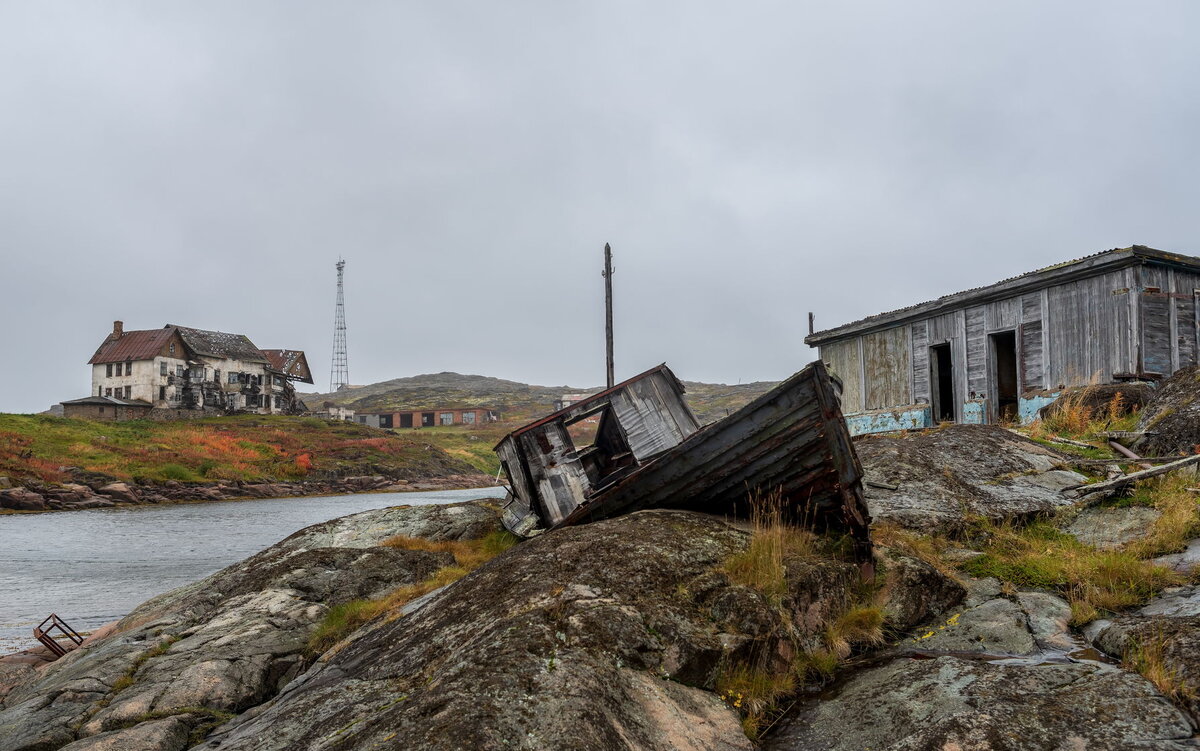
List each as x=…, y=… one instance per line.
x=792, y=439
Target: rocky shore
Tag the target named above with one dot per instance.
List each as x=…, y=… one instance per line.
x=88, y=493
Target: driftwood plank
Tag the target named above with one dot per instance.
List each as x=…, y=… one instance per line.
x=1099, y=487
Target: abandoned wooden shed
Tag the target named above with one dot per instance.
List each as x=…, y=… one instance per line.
x=1003, y=351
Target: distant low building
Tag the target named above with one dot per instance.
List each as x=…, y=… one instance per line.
x=332, y=411
x=106, y=408
x=428, y=418
x=178, y=371
x=566, y=400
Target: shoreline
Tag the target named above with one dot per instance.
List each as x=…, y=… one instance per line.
x=152, y=495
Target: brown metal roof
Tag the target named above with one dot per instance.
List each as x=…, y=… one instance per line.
x=286, y=361
x=109, y=400
x=219, y=344
x=132, y=345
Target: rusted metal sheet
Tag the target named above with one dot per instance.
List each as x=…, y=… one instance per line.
x=792, y=441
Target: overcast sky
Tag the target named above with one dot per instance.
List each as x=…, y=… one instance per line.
x=206, y=163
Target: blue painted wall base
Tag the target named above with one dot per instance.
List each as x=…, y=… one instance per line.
x=920, y=416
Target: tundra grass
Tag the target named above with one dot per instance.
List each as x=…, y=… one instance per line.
x=1039, y=555
x=253, y=448
x=757, y=687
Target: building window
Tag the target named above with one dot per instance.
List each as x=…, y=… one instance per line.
x=233, y=377
x=267, y=402
x=447, y=418
x=108, y=370
x=108, y=392
x=179, y=371
x=162, y=393
x=468, y=418
x=102, y=410
x=162, y=367
x=128, y=391
x=216, y=376
x=171, y=349
x=128, y=368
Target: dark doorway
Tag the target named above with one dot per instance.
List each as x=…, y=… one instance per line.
x=1004, y=375
x=941, y=382
x=427, y=419
x=406, y=420
x=385, y=421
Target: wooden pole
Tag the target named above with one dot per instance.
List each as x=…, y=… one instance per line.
x=608, y=318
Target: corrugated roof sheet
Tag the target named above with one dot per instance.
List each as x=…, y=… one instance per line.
x=1141, y=251
x=219, y=344
x=109, y=400
x=133, y=345
x=286, y=361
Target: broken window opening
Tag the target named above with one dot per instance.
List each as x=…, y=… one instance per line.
x=108, y=370
x=447, y=418
x=427, y=419
x=606, y=457
x=941, y=378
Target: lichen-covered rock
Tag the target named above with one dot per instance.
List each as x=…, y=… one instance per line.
x=1165, y=634
x=22, y=499
x=604, y=635
x=167, y=734
x=945, y=475
x=954, y=703
x=1111, y=528
x=119, y=491
x=1171, y=420
x=224, y=644
x=915, y=591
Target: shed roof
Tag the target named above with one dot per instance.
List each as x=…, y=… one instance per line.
x=132, y=345
x=1049, y=276
x=109, y=401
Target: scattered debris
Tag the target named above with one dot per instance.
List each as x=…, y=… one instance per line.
x=1080, y=491
x=66, y=640
x=650, y=452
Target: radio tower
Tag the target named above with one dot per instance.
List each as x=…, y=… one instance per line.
x=339, y=371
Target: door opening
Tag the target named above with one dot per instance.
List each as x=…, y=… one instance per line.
x=941, y=381
x=1004, y=375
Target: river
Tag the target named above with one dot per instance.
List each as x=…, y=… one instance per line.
x=94, y=566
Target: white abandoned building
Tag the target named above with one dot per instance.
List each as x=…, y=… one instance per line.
x=177, y=371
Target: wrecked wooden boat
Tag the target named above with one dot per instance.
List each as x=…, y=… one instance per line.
x=649, y=451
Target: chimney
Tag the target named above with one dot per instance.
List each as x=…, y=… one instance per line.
x=118, y=329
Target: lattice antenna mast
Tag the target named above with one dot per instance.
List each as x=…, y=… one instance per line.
x=339, y=371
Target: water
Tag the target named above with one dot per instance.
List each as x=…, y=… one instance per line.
x=94, y=566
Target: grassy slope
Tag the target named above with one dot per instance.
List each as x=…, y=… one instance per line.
x=247, y=447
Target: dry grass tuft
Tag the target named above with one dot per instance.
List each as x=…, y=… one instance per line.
x=762, y=565
x=1148, y=659
x=1180, y=520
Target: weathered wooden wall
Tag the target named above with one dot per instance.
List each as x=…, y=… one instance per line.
x=845, y=361
x=1068, y=334
x=886, y=367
